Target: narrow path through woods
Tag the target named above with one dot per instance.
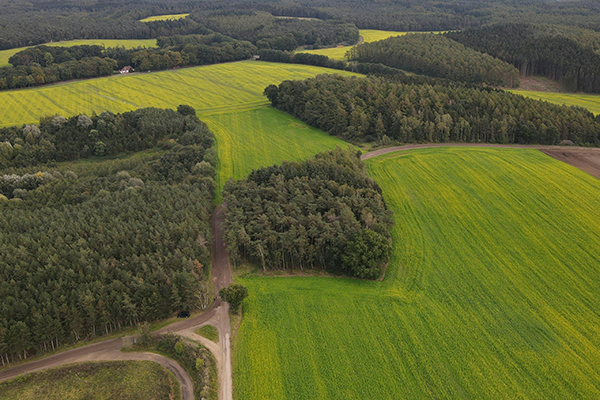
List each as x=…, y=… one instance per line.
x=585, y=158
x=217, y=315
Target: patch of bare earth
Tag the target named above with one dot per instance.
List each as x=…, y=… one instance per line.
x=585, y=160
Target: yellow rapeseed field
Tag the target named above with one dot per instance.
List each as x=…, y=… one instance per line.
x=166, y=17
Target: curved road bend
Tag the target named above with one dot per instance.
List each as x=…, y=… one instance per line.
x=217, y=314
x=585, y=158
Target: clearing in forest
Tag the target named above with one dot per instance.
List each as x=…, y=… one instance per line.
x=492, y=291
x=263, y=136
x=127, y=43
x=166, y=17
x=589, y=101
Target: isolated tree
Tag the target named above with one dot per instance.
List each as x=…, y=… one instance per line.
x=234, y=294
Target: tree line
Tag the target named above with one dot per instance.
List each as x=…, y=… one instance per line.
x=324, y=213
x=91, y=247
x=401, y=110
x=535, y=52
x=48, y=64
x=437, y=56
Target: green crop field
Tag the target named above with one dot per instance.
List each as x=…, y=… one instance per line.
x=492, y=291
x=263, y=136
x=368, y=35
x=127, y=43
x=127, y=380
x=164, y=17
x=589, y=101
x=210, y=89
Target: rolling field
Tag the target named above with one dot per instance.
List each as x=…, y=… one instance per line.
x=493, y=291
x=368, y=35
x=263, y=136
x=589, y=101
x=128, y=44
x=209, y=89
x=164, y=17
x=143, y=380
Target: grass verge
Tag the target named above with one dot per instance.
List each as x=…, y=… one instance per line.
x=127, y=380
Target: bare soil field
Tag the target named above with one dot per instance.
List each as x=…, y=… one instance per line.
x=586, y=160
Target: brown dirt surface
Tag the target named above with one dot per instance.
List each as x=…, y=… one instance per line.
x=585, y=160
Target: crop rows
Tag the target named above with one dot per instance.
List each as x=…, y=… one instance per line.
x=260, y=137
x=491, y=291
x=209, y=89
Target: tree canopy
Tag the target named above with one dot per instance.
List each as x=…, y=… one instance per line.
x=324, y=213
x=91, y=246
x=406, y=110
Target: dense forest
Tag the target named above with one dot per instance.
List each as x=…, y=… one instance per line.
x=41, y=65
x=34, y=22
x=323, y=213
x=400, y=110
x=91, y=246
x=534, y=52
x=437, y=56
x=268, y=32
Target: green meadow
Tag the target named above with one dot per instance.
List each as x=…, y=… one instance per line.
x=491, y=292
x=127, y=380
x=251, y=139
x=210, y=89
x=166, y=17
x=127, y=43
x=589, y=101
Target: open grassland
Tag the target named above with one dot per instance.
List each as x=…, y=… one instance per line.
x=131, y=380
x=260, y=137
x=493, y=291
x=209, y=332
x=209, y=89
x=368, y=35
x=164, y=17
x=127, y=43
x=589, y=101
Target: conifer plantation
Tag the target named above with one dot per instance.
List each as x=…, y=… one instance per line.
x=99, y=243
